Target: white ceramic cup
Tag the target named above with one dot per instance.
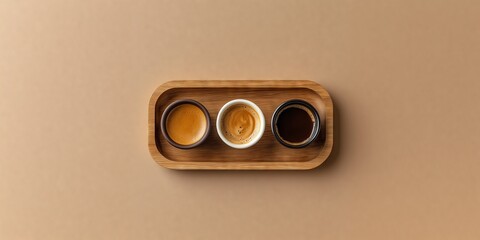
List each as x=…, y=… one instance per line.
x=221, y=115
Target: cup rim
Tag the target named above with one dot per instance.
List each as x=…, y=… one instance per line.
x=316, y=127
x=220, y=116
x=163, y=123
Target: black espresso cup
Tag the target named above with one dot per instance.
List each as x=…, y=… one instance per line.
x=185, y=123
x=295, y=123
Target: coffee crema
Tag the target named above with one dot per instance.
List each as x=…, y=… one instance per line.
x=295, y=124
x=186, y=124
x=240, y=124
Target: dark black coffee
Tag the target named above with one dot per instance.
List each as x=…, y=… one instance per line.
x=295, y=124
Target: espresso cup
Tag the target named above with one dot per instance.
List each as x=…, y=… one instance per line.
x=240, y=123
x=185, y=123
x=295, y=123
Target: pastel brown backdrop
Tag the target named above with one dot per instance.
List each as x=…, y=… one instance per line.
x=76, y=77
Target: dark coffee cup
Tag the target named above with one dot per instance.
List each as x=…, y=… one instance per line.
x=295, y=123
x=185, y=123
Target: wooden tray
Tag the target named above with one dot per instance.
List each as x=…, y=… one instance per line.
x=267, y=154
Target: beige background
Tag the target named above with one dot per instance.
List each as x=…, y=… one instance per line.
x=76, y=77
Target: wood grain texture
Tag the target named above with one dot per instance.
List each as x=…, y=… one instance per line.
x=267, y=154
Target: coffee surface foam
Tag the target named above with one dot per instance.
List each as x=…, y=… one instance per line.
x=240, y=124
x=186, y=124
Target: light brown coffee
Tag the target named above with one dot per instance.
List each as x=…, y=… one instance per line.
x=186, y=124
x=240, y=124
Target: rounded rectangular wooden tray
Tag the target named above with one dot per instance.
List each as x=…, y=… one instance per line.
x=267, y=154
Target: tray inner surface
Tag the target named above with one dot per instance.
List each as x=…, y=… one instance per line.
x=214, y=150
